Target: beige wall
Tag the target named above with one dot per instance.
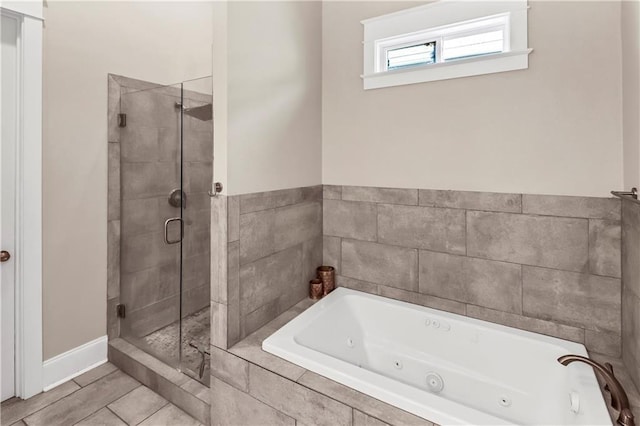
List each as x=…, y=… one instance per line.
x=552, y=129
x=83, y=41
x=631, y=92
x=273, y=135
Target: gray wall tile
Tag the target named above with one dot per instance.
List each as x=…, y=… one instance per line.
x=296, y=224
x=295, y=400
x=604, y=247
x=219, y=246
x=142, y=288
x=380, y=264
x=588, y=301
x=197, y=176
x=113, y=109
x=140, y=144
x=350, y=219
x=146, y=251
x=353, y=284
x=257, y=235
x=380, y=195
x=331, y=252
x=491, y=284
x=219, y=325
x=252, y=321
x=631, y=334
x=113, y=182
x=269, y=200
x=331, y=192
x=603, y=342
x=143, y=180
x=489, y=201
x=233, y=292
x=230, y=368
x=360, y=401
x=311, y=194
x=422, y=299
x=113, y=322
x=575, y=334
x=113, y=259
x=531, y=240
x=631, y=246
x=311, y=259
x=587, y=207
x=266, y=279
x=422, y=227
x=230, y=406
x=233, y=218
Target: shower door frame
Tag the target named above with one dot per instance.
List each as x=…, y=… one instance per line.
x=28, y=252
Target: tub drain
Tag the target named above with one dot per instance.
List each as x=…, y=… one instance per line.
x=435, y=382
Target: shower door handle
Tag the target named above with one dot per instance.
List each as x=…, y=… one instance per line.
x=166, y=230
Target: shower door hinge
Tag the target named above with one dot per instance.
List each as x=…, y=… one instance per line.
x=120, y=311
x=122, y=120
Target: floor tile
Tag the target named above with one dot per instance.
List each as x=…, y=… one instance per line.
x=95, y=374
x=80, y=404
x=170, y=416
x=104, y=417
x=137, y=405
x=16, y=408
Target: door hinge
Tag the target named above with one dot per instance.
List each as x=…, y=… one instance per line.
x=120, y=311
x=122, y=120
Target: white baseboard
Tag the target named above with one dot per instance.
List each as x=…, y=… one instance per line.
x=64, y=367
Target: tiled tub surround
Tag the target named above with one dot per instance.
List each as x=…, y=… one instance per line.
x=274, y=242
x=252, y=387
x=631, y=288
x=547, y=264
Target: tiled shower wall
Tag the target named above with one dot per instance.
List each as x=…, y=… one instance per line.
x=144, y=166
x=274, y=245
x=631, y=288
x=548, y=264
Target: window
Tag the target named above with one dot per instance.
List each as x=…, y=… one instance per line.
x=445, y=40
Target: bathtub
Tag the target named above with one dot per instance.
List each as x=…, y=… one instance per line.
x=443, y=367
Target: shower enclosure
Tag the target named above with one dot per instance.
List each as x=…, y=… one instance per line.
x=166, y=161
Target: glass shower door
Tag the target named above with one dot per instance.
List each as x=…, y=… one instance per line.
x=151, y=220
x=197, y=174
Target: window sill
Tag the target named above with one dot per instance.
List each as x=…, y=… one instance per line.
x=488, y=64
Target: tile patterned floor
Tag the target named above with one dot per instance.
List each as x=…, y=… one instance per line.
x=104, y=396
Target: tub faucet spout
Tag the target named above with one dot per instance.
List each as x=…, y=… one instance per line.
x=619, y=399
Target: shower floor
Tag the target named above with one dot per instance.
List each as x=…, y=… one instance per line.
x=196, y=330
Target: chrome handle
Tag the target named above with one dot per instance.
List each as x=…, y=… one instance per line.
x=4, y=256
x=166, y=230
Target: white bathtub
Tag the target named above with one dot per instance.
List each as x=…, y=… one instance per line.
x=394, y=351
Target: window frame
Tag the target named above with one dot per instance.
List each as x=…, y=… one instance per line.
x=437, y=22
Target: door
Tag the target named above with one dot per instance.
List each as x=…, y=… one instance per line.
x=10, y=30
